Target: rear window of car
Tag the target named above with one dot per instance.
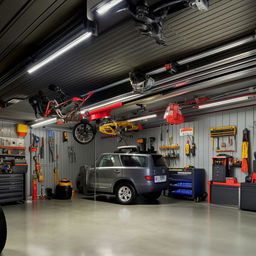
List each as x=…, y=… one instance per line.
x=158, y=161
x=134, y=161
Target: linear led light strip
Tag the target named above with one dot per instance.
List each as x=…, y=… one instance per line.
x=142, y=118
x=223, y=102
x=44, y=122
x=107, y=6
x=61, y=51
x=93, y=107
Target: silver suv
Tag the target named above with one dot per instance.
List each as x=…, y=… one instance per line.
x=126, y=173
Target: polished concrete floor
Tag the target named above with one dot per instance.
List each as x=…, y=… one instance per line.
x=84, y=227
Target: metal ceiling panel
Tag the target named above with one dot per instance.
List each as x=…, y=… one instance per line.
x=31, y=22
x=112, y=55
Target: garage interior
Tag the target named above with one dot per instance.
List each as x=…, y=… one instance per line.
x=127, y=127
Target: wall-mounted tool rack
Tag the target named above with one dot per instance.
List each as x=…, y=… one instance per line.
x=221, y=132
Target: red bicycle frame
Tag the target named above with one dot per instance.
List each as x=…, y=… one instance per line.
x=56, y=105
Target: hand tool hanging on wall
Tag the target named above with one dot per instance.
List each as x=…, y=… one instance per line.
x=171, y=140
x=143, y=144
x=187, y=148
x=71, y=155
x=42, y=148
x=193, y=147
x=230, y=140
x=151, y=147
x=38, y=169
x=161, y=132
x=56, y=170
x=51, y=143
x=42, y=194
x=218, y=143
x=245, y=151
x=65, y=136
x=35, y=140
x=74, y=154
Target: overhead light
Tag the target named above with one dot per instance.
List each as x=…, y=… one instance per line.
x=223, y=102
x=43, y=122
x=61, y=51
x=142, y=118
x=107, y=6
x=14, y=101
x=95, y=106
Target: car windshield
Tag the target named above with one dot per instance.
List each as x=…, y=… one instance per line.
x=158, y=161
x=134, y=161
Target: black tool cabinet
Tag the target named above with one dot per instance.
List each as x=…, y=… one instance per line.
x=248, y=196
x=187, y=184
x=12, y=188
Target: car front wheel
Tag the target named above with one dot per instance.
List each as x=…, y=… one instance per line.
x=125, y=193
x=153, y=195
x=3, y=230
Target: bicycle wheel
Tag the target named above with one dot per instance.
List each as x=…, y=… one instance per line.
x=83, y=132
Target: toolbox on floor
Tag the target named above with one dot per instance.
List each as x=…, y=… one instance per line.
x=223, y=193
x=248, y=196
x=187, y=183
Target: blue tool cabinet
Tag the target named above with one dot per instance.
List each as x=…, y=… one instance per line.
x=187, y=183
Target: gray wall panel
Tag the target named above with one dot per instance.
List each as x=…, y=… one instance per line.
x=242, y=118
x=67, y=169
x=85, y=153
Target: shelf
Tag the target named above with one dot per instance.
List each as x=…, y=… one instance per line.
x=9, y=147
x=170, y=147
x=4, y=155
x=225, y=150
x=185, y=192
x=180, y=180
x=188, y=186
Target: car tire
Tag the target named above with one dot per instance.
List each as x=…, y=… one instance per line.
x=125, y=193
x=3, y=230
x=153, y=195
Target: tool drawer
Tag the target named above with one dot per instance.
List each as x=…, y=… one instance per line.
x=12, y=188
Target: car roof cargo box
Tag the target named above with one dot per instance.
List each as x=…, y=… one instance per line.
x=128, y=149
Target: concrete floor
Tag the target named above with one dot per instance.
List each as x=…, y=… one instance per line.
x=83, y=227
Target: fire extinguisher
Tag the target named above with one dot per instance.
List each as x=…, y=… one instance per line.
x=34, y=192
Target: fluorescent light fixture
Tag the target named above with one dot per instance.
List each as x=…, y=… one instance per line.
x=223, y=102
x=44, y=122
x=93, y=107
x=107, y=6
x=14, y=101
x=61, y=51
x=142, y=118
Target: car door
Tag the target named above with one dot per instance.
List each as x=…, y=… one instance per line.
x=108, y=170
